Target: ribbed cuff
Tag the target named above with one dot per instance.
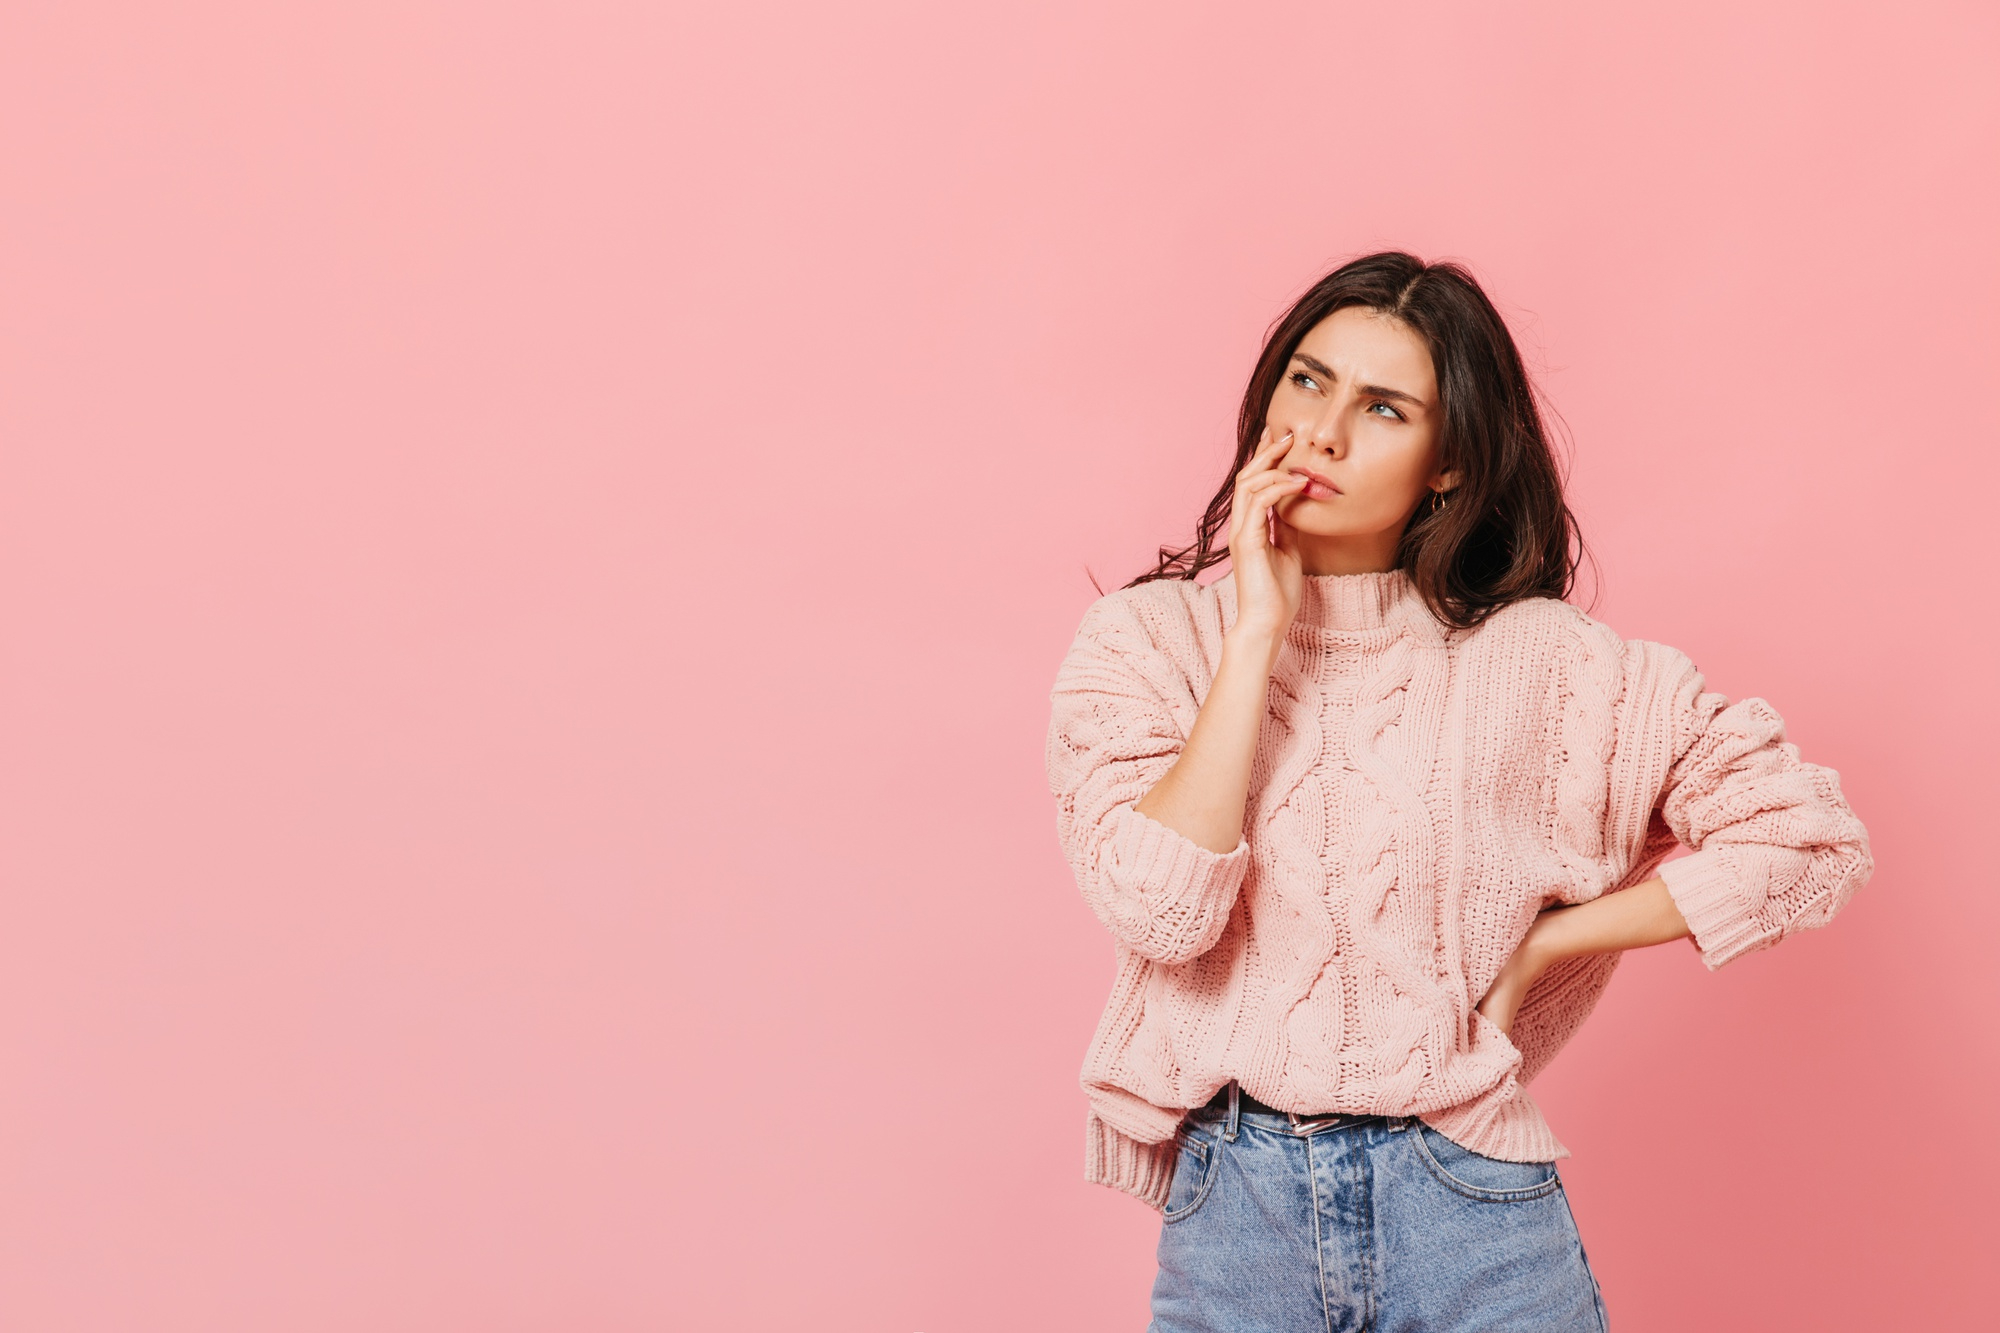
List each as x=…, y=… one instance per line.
x=1143, y=1170
x=1702, y=888
x=1164, y=860
x=1177, y=892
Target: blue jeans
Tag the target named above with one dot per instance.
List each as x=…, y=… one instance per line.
x=1382, y=1226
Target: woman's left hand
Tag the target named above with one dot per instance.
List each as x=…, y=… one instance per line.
x=1528, y=962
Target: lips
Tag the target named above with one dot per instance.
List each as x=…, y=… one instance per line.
x=1317, y=487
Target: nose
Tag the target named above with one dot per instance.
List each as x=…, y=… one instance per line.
x=1330, y=431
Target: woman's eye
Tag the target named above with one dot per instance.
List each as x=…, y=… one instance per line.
x=1303, y=380
x=1386, y=408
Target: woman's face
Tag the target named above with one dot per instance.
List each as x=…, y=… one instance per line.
x=1360, y=398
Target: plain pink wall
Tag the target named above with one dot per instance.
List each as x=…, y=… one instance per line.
x=536, y=540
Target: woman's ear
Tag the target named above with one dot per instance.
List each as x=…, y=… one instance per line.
x=1445, y=482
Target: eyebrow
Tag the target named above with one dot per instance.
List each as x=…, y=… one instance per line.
x=1320, y=367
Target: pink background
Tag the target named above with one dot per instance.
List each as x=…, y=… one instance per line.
x=536, y=540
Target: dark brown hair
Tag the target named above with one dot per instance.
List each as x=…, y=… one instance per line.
x=1506, y=533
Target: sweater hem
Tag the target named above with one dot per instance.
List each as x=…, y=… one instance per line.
x=1506, y=1126
x=1143, y=1170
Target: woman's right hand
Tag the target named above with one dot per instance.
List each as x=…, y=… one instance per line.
x=1206, y=792
x=1270, y=575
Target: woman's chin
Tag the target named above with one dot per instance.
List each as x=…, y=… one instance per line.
x=1312, y=519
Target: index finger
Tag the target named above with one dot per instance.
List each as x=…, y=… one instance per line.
x=1267, y=448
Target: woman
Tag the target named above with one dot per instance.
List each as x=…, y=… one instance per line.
x=1371, y=820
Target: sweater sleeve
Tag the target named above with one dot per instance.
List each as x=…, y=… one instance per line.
x=1775, y=847
x=1112, y=735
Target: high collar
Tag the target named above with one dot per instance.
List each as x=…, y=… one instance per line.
x=1344, y=607
x=1359, y=601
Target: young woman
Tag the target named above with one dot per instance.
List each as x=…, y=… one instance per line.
x=1370, y=821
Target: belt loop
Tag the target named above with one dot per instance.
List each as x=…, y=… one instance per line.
x=1235, y=1094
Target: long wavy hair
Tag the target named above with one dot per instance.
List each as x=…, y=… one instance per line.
x=1506, y=532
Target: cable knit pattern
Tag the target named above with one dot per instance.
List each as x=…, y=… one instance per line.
x=1417, y=795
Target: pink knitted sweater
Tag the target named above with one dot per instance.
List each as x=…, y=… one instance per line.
x=1418, y=794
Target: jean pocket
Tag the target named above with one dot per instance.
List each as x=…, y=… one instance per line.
x=1198, y=1151
x=1476, y=1176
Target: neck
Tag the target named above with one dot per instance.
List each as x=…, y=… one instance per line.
x=1374, y=553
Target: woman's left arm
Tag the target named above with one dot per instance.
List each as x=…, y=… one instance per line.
x=1631, y=919
x=1775, y=847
